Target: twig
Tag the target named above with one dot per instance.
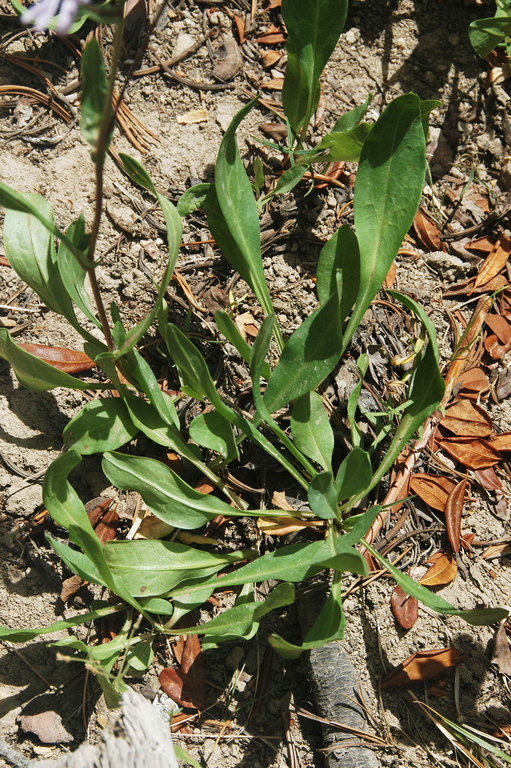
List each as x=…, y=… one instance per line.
x=12, y=756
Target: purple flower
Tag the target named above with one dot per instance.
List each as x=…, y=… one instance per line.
x=42, y=13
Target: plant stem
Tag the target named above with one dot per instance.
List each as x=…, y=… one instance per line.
x=99, y=160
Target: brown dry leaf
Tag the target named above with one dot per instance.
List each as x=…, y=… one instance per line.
x=273, y=4
x=276, y=131
x=194, y=116
x=70, y=587
x=494, y=262
x=152, y=528
x=427, y=232
x=280, y=501
x=228, y=59
x=489, y=479
x=442, y=572
x=473, y=453
x=281, y=526
x=466, y=419
x=497, y=550
x=472, y=381
x=495, y=350
x=270, y=58
x=484, y=244
x=503, y=732
x=274, y=84
x=390, y=277
x=501, y=442
x=271, y=38
x=422, y=665
x=67, y=360
x=404, y=607
x=501, y=656
x=239, y=22
x=103, y=519
x=453, y=512
x=244, y=321
x=434, y=490
x=186, y=686
x=500, y=328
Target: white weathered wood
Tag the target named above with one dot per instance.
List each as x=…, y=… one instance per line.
x=138, y=739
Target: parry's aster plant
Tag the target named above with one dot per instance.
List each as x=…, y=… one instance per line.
x=40, y=14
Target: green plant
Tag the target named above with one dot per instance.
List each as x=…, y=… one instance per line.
x=487, y=34
x=159, y=582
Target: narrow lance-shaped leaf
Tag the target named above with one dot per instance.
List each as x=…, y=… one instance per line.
x=101, y=425
x=311, y=429
x=313, y=29
x=233, y=215
x=309, y=355
x=72, y=272
x=23, y=635
x=94, y=92
x=476, y=616
x=340, y=256
x=33, y=373
x=387, y=193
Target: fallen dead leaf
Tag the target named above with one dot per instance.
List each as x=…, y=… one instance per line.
x=70, y=587
x=103, y=519
x=228, y=59
x=280, y=501
x=281, y=526
x=471, y=452
x=501, y=656
x=427, y=232
x=434, y=490
x=466, y=419
x=488, y=479
x=497, y=550
x=67, y=360
x=186, y=686
x=494, y=262
x=442, y=571
x=473, y=381
x=271, y=38
x=276, y=131
x=239, y=22
x=199, y=115
x=274, y=84
x=270, y=58
x=390, y=277
x=453, y=512
x=47, y=726
x=152, y=528
x=404, y=607
x=500, y=327
x=484, y=244
x=501, y=442
x=421, y=666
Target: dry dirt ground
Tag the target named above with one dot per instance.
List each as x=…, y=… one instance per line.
x=387, y=48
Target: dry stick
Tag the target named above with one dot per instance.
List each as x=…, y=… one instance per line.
x=106, y=125
x=461, y=358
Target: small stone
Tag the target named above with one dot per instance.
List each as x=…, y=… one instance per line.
x=350, y=37
x=47, y=726
x=183, y=42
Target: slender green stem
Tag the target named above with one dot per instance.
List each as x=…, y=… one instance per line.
x=99, y=160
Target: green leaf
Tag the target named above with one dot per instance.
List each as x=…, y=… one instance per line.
x=147, y=568
x=313, y=29
x=311, y=429
x=34, y=373
x=322, y=496
x=296, y=562
x=310, y=354
x=352, y=118
x=140, y=657
x=289, y=180
x=101, y=425
x=71, y=271
x=230, y=330
x=238, y=621
x=193, y=199
x=156, y=605
x=77, y=561
x=137, y=173
x=354, y=475
x=148, y=384
x=477, y=616
x=65, y=507
x=486, y=34
x=194, y=372
x=233, y=215
x=344, y=146
x=184, y=757
x=328, y=627
x=23, y=635
x=165, y=493
x=94, y=92
x=212, y=431
x=387, y=193
x=339, y=256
